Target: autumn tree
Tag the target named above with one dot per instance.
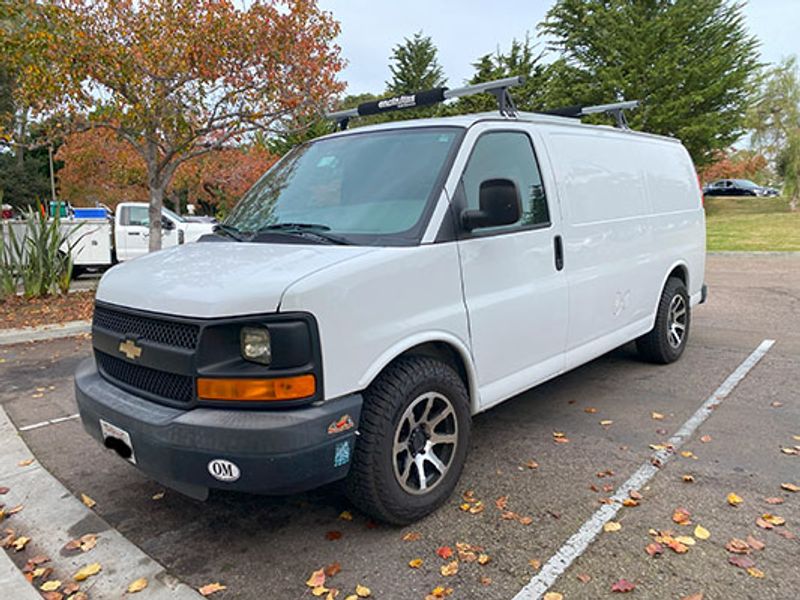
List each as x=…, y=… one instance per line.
x=775, y=119
x=174, y=79
x=735, y=164
x=101, y=167
x=692, y=64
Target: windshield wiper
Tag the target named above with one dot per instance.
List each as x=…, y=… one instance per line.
x=305, y=230
x=229, y=230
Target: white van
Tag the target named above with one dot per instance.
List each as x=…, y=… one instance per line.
x=378, y=287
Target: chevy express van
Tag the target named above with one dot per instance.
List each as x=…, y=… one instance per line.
x=378, y=287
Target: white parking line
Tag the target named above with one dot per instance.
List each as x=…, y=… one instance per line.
x=579, y=542
x=41, y=424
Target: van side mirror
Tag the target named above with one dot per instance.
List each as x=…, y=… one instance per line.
x=166, y=224
x=499, y=202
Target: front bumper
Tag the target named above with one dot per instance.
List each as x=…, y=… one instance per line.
x=276, y=451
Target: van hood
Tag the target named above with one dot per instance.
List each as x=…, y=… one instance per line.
x=219, y=279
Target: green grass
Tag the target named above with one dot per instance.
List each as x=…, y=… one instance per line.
x=751, y=224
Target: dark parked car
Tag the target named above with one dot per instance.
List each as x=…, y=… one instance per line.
x=737, y=187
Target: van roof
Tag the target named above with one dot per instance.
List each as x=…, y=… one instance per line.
x=469, y=120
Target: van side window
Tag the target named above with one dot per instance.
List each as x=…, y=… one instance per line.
x=507, y=155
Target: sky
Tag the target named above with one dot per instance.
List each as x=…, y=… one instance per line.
x=463, y=30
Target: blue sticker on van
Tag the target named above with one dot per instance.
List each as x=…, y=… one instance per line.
x=341, y=455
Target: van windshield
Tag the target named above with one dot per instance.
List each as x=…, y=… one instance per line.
x=372, y=188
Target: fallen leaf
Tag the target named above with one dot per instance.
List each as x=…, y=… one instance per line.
x=763, y=524
x=415, y=563
x=50, y=586
x=476, y=508
x=757, y=573
x=532, y=464
x=332, y=569
x=137, y=586
x=790, y=487
x=320, y=591
x=53, y=596
x=657, y=416
x=742, y=561
x=681, y=516
x=754, y=543
x=688, y=454
x=553, y=596
x=675, y=545
x=606, y=422
x=316, y=579
x=701, y=533
x=705, y=439
x=88, y=501
x=14, y=510
x=444, y=552
x=774, y=500
x=734, y=499
x=612, y=526
x=685, y=540
x=501, y=502
x=583, y=577
x=346, y=515
x=773, y=519
x=590, y=409
x=412, y=536
x=654, y=549
x=560, y=438
x=786, y=534
x=525, y=520
x=790, y=451
x=25, y=463
x=157, y=496
x=485, y=580
x=362, y=591
x=19, y=543
x=333, y=535
x=630, y=502
x=211, y=588
x=332, y=593
x=698, y=596
x=688, y=478
x=87, y=571
x=449, y=569
x=484, y=559
x=623, y=586
x=3, y=490
x=70, y=588
x=535, y=563
x=737, y=546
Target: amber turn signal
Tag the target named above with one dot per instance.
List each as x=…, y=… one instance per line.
x=280, y=388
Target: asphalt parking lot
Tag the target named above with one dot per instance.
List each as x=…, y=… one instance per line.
x=267, y=547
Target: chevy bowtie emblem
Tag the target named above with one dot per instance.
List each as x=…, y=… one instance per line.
x=130, y=349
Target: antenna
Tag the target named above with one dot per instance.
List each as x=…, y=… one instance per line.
x=499, y=88
x=616, y=109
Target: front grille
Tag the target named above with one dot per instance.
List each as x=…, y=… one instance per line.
x=169, y=333
x=170, y=386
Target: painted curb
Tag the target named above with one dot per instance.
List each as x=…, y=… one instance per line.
x=44, y=332
x=52, y=516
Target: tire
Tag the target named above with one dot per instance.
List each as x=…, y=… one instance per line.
x=661, y=344
x=387, y=484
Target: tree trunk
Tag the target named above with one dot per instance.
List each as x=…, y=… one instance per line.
x=154, y=213
x=794, y=202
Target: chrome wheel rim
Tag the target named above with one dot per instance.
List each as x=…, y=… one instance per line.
x=425, y=443
x=676, y=323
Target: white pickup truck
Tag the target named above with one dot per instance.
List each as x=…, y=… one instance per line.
x=102, y=242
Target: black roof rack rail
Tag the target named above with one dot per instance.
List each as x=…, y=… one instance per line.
x=499, y=88
x=616, y=109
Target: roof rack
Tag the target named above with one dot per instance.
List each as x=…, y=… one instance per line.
x=616, y=109
x=499, y=88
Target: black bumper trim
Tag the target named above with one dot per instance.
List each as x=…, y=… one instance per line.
x=277, y=451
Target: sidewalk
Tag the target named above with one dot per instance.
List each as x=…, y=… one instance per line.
x=52, y=516
x=44, y=332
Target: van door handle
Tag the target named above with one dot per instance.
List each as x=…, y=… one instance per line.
x=133, y=233
x=558, y=247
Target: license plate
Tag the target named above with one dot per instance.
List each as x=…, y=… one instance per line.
x=112, y=431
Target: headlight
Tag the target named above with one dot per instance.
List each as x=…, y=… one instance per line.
x=255, y=344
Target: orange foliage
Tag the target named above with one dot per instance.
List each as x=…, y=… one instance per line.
x=742, y=164
x=100, y=167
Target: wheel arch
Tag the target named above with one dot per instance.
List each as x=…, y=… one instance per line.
x=439, y=345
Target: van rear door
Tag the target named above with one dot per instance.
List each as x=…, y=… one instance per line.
x=515, y=293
